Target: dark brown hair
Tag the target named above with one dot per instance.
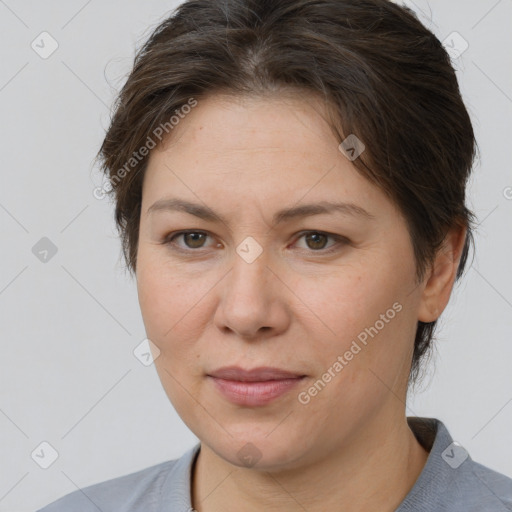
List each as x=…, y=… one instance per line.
x=383, y=76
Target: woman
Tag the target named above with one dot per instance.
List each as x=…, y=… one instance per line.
x=289, y=178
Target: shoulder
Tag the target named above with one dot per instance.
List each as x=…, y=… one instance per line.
x=140, y=490
x=490, y=487
x=451, y=480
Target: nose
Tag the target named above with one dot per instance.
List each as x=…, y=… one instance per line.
x=254, y=302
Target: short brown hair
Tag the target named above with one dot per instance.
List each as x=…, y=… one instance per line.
x=384, y=77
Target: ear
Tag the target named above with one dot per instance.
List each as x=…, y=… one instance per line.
x=441, y=275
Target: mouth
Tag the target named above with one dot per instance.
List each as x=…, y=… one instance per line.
x=255, y=387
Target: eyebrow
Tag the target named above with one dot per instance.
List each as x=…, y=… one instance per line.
x=305, y=210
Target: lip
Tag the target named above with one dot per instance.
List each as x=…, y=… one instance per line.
x=255, y=387
x=259, y=374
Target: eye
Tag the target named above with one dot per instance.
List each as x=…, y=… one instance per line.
x=193, y=239
x=316, y=241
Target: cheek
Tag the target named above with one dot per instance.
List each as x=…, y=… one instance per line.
x=155, y=303
x=362, y=317
x=163, y=294
x=344, y=303
x=173, y=307
x=171, y=323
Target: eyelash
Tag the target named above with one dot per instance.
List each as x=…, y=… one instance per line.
x=169, y=241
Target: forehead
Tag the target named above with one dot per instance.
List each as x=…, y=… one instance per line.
x=252, y=124
x=244, y=150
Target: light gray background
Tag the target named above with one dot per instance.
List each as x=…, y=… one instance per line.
x=70, y=325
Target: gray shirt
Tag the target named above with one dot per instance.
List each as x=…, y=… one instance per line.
x=449, y=482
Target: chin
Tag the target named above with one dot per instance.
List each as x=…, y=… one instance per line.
x=255, y=449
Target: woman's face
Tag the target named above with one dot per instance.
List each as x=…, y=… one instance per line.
x=327, y=296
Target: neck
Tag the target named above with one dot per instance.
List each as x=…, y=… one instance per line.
x=373, y=471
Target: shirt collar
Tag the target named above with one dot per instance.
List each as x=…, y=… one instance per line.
x=176, y=490
x=446, y=462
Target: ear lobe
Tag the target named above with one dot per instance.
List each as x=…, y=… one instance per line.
x=441, y=277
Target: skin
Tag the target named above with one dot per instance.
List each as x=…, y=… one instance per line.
x=295, y=307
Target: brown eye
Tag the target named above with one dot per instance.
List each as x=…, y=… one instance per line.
x=191, y=240
x=194, y=240
x=316, y=240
